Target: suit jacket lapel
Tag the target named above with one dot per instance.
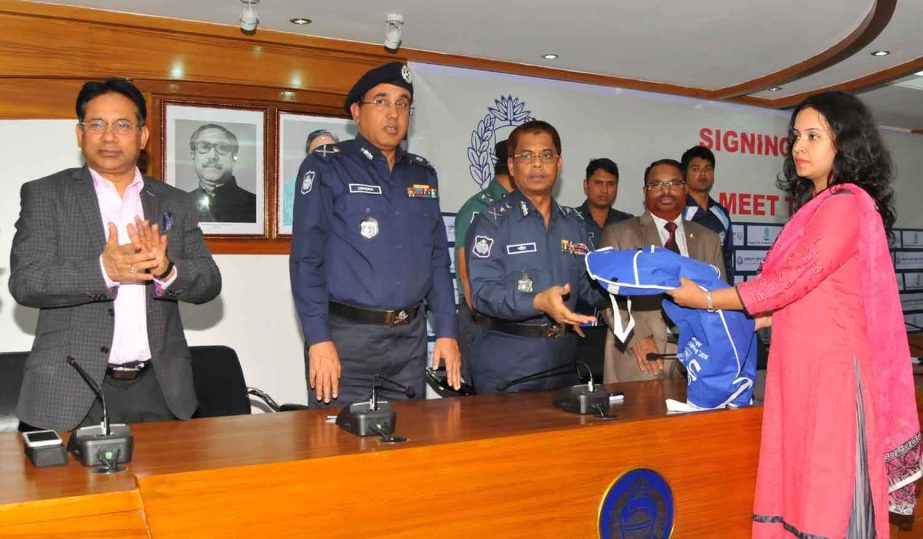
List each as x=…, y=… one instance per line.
x=693, y=243
x=151, y=205
x=649, y=230
x=85, y=193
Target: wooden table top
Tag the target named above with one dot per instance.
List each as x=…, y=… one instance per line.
x=180, y=446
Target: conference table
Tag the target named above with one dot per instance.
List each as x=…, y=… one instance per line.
x=506, y=465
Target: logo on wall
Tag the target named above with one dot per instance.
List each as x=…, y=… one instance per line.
x=506, y=113
x=639, y=504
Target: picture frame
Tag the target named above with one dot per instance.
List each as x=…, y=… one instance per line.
x=217, y=154
x=293, y=131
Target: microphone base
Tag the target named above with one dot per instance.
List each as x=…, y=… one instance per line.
x=358, y=418
x=92, y=448
x=580, y=400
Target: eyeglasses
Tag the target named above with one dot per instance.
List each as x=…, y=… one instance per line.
x=380, y=103
x=221, y=148
x=98, y=126
x=526, y=157
x=664, y=186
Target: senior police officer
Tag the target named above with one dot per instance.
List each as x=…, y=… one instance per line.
x=368, y=248
x=525, y=262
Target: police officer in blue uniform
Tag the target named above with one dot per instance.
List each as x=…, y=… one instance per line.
x=526, y=266
x=368, y=249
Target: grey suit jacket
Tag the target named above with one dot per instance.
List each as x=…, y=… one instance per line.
x=635, y=233
x=55, y=268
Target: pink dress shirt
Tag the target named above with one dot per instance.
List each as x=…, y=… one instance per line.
x=129, y=337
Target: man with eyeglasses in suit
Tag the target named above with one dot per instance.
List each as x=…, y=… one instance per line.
x=526, y=269
x=661, y=225
x=218, y=197
x=369, y=248
x=106, y=255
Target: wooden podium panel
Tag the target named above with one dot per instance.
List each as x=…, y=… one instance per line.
x=501, y=466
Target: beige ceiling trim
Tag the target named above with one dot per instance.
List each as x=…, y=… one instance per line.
x=871, y=27
x=868, y=82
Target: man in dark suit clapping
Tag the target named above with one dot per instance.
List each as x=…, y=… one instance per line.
x=105, y=254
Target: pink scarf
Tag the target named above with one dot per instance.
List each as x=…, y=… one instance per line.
x=895, y=405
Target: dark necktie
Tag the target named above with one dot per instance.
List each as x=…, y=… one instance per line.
x=671, y=240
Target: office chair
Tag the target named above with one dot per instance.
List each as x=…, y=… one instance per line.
x=220, y=386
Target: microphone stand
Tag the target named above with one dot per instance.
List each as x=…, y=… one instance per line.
x=565, y=368
x=105, y=445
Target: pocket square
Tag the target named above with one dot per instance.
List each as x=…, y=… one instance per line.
x=167, y=221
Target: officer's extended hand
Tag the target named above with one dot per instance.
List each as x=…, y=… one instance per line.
x=551, y=302
x=641, y=349
x=125, y=262
x=324, y=370
x=447, y=348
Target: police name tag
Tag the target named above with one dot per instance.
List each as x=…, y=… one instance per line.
x=365, y=189
x=520, y=248
x=421, y=191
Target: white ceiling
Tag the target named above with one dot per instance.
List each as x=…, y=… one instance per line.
x=708, y=44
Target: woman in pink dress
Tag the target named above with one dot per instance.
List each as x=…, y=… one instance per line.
x=840, y=443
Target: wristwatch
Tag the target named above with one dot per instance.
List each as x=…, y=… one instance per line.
x=167, y=271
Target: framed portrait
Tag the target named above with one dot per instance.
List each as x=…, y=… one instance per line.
x=294, y=131
x=216, y=153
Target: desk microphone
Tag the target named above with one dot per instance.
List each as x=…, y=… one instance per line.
x=651, y=356
x=104, y=444
x=365, y=418
x=584, y=398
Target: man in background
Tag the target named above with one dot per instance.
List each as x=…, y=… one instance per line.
x=699, y=172
x=601, y=187
x=468, y=320
x=661, y=225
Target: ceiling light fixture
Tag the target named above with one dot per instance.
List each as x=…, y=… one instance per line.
x=249, y=19
x=551, y=56
x=881, y=53
x=775, y=89
x=300, y=20
x=394, y=27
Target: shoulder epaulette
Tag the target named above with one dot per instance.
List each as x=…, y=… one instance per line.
x=421, y=161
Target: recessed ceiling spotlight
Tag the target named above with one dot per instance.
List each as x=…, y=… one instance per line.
x=300, y=20
x=881, y=53
x=775, y=89
x=550, y=56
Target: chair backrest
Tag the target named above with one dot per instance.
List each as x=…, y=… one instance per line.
x=12, y=365
x=219, y=382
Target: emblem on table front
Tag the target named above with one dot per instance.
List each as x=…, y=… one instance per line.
x=638, y=505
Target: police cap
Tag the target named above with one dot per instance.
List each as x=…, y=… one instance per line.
x=395, y=73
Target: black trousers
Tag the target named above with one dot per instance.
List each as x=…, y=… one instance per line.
x=131, y=401
x=366, y=349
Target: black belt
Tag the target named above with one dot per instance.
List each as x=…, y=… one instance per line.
x=126, y=371
x=545, y=331
x=394, y=317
